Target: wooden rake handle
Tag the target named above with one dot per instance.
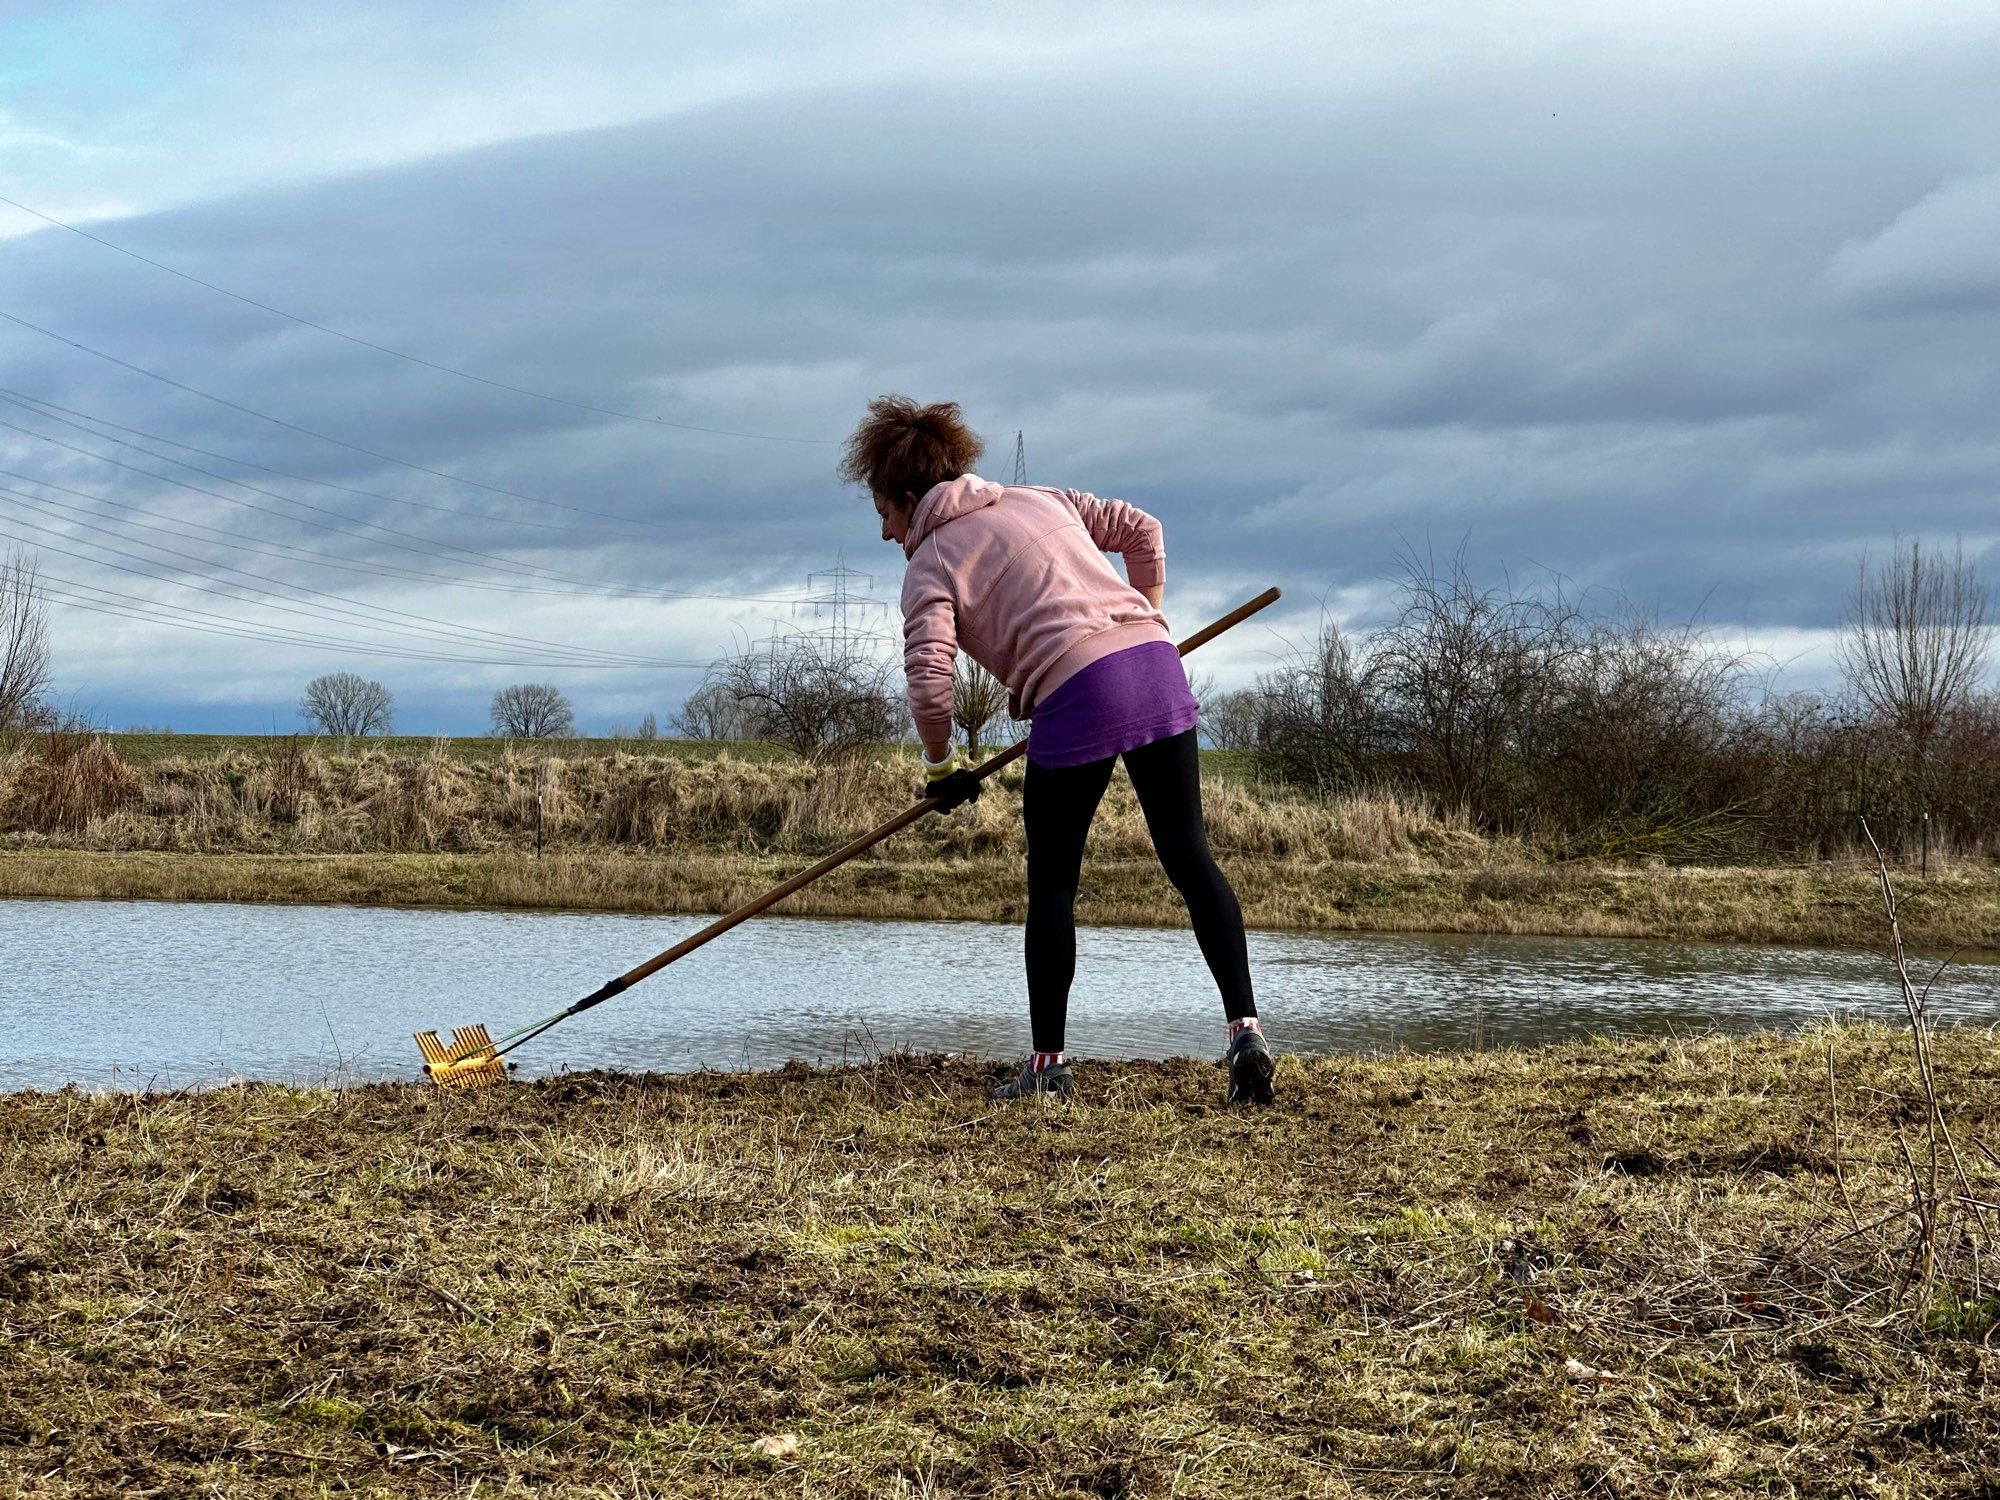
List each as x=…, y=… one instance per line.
x=842, y=855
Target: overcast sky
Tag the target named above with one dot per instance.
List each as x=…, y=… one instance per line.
x=1693, y=302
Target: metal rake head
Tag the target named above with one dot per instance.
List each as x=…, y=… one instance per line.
x=468, y=1062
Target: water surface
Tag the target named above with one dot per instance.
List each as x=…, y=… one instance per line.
x=138, y=994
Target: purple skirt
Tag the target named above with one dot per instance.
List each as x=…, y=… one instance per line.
x=1117, y=703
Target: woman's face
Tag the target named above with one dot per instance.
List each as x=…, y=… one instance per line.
x=895, y=519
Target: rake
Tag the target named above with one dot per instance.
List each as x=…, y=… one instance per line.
x=472, y=1058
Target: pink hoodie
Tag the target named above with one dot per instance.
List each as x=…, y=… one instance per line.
x=1016, y=577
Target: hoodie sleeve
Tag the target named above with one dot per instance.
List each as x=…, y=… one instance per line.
x=930, y=648
x=1126, y=530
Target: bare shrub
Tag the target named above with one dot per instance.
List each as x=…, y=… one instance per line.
x=1628, y=742
x=24, y=644
x=821, y=696
x=1321, y=716
x=345, y=703
x=1465, y=675
x=532, y=711
x=1948, y=1219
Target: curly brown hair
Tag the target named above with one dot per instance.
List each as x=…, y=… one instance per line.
x=901, y=449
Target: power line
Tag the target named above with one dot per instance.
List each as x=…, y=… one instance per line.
x=363, y=614
x=156, y=613
x=150, y=612
x=281, y=633
x=285, y=551
x=486, y=559
x=261, y=416
x=498, y=385
x=41, y=408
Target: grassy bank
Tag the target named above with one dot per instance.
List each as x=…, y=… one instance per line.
x=1613, y=1270
x=696, y=829
x=1819, y=906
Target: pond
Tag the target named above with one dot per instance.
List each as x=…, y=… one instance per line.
x=161, y=995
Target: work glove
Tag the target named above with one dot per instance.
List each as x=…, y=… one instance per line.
x=950, y=782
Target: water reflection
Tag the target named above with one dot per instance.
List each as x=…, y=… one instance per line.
x=129, y=994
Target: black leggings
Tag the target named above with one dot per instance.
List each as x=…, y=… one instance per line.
x=1057, y=807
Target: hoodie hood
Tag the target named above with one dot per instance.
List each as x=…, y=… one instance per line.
x=947, y=502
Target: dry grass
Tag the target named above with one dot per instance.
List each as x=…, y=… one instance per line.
x=295, y=797
x=653, y=832
x=1607, y=1270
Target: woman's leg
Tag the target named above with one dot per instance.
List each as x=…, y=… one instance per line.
x=1167, y=776
x=1056, y=808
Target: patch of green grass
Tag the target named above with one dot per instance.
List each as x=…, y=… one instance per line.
x=328, y=1411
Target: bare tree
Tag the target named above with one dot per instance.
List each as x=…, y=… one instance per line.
x=532, y=711
x=24, y=643
x=821, y=695
x=1917, y=638
x=977, y=699
x=1238, y=720
x=711, y=712
x=343, y=703
x=645, y=731
x=1319, y=714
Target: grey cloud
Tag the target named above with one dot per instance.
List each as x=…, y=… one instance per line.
x=1603, y=330
x=1941, y=254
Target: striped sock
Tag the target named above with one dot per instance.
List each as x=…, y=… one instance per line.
x=1247, y=1023
x=1041, y=1062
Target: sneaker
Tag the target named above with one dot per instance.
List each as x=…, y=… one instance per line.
x=1250, y=1069
x=1054, y=1080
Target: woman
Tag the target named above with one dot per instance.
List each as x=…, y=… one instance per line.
x=1016, y=577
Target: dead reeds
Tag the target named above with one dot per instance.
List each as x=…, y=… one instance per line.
x=67, y=780
x=300, y=797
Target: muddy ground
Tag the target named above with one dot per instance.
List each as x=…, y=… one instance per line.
x=1610, y=1269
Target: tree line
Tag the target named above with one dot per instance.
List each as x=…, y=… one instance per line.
x=1568, y=718
x=1596, y=729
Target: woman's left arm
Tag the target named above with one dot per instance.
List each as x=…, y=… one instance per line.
x=930, y=648
x=1116, y=526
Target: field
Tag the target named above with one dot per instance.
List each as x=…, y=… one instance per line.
x=1612, y=1270
x=145, y=749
